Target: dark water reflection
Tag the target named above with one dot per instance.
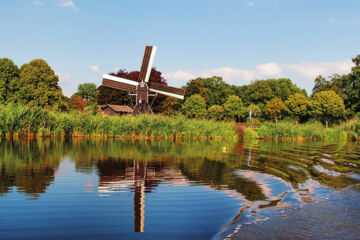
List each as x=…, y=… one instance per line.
x=102, y=189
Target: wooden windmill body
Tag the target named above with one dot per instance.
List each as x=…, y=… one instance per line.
x=143, y=86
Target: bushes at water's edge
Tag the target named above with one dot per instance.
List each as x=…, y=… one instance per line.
x=24, y=121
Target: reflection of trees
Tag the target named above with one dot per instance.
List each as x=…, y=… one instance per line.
x=218, y=174
x=28, y=165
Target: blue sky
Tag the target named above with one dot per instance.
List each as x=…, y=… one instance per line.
x=240, y=40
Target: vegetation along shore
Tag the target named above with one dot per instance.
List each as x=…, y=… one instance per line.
x=32, y=104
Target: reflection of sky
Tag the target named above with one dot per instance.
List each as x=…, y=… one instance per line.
x=271, y=186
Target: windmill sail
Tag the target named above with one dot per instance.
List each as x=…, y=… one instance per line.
x=119, y=83
x=147, y=63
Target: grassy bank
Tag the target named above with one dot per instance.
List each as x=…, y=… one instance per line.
x=18, y=121
x=308, y=131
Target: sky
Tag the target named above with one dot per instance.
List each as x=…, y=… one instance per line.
x=239, y=40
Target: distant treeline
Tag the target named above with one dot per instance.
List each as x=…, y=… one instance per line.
x=332, y=100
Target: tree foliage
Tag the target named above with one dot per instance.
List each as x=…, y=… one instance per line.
x=38, y=85
x=298, y=106
x=216, y=112
x=328, y=106
x=255, y=110
x=262, y=91
x=88, y=92
x=234, y=108
x=77, y=102
x=194, y=107
x=9, y=75
x=275, y=107
x=170, y=106
x=214, y=90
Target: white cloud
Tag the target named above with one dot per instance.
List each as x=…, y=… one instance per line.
x=63, y=77
x=310, y=70
x=94, y=68
x=250, y=4
x=230, y=75
x=38, y=3
x=69, y=4
x=269, y=69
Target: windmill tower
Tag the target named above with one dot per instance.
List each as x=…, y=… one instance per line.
x=143, y=86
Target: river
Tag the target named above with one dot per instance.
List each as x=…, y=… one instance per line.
x=142, y=189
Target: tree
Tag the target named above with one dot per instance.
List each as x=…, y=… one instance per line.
x=9, y=75
x=38, y=85
x=170, y=106
x=214, y=90
x=335, y=84
x=194, y=107
x=255, y=110
x=298, y=106
x=261, y=91
x=234, y=108
x=328, y=106
x=216, y=112
x=351, y=87
x=274, y=107
x=88, y=92
x=76, y=102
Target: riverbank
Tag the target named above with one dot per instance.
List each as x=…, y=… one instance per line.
x=308, y=131
x=22, y=121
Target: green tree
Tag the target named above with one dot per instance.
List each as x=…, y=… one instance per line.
x=214, y=90
x=88, y=92
x=194, y=107
x=38, y=85
x=298, y=106
x=255, y=110
x=261, y=91
x=170, y=106
x=328, y=106
x=9, y=75
x=216, y=112
x=275, y=107
x=351, y=87
x=234, y=108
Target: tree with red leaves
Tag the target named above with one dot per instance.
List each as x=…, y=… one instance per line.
x=77, y=103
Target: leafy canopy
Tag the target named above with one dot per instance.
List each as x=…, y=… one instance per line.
x=88, y=92
x=234, y=108
x=298, y=105
x=194, y=107
x=328, y=106
x=38, y=85
x=9, y=75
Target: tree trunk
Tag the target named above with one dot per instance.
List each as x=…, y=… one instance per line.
x=327, y=123
x=276, y=120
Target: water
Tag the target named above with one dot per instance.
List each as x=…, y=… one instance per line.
x=106, y=189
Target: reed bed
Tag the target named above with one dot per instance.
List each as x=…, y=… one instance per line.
x=308, y=131
x=17, y=120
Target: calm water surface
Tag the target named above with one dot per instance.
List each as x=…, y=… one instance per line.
x=115, y=189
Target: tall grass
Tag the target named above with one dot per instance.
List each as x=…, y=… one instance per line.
x=352, y=127
x=309, y=131
x=17, y=120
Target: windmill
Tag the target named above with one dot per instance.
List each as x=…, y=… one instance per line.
x=142, y=87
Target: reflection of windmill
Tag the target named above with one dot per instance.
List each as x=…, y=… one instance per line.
x=142, y=87
x=138, y=176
